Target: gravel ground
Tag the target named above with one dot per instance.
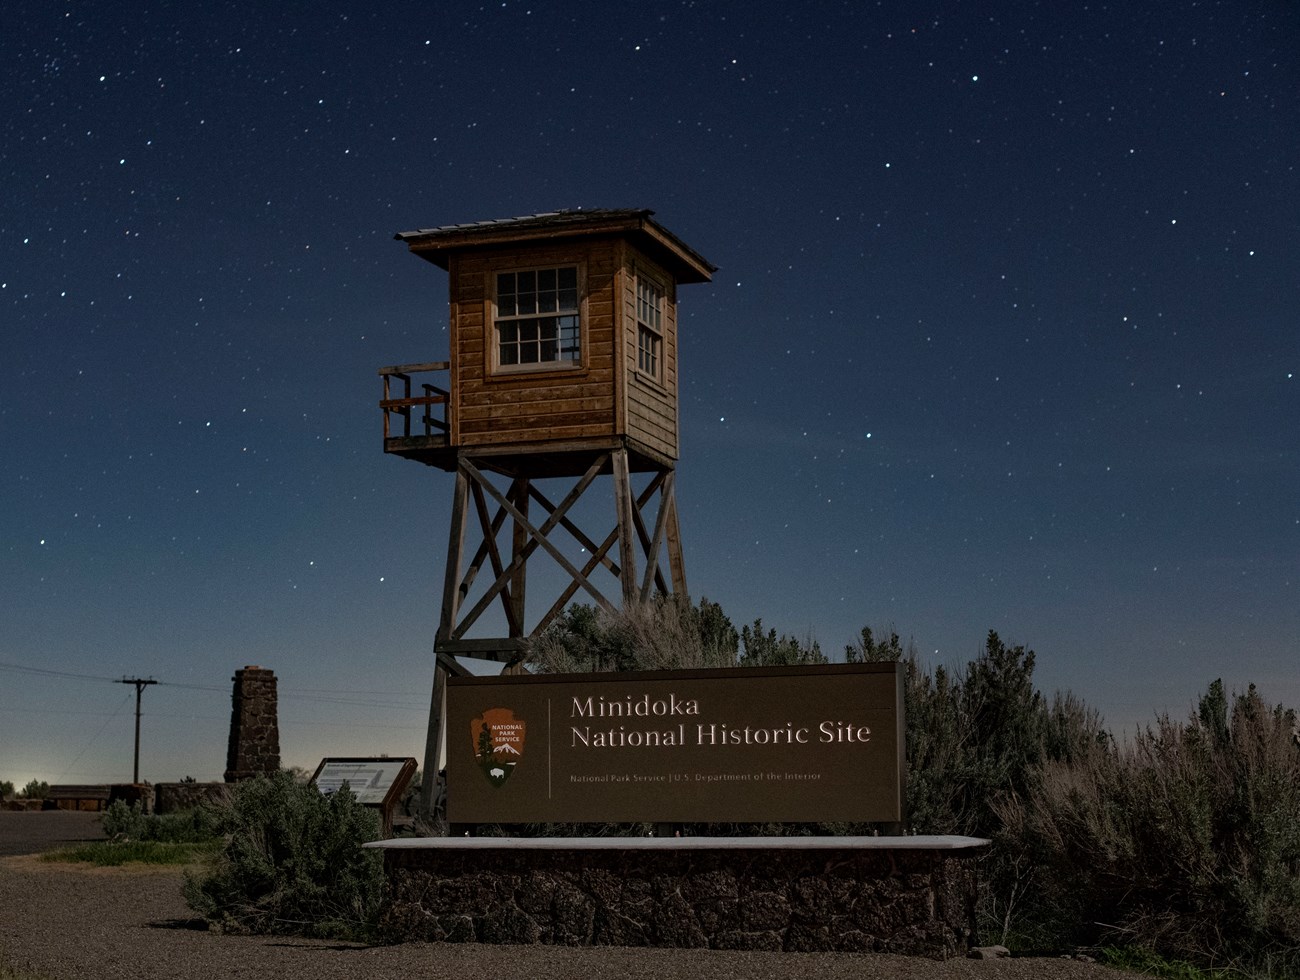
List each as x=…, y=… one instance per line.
x=69, y=922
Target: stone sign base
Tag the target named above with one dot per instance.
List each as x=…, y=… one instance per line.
x=909, y=895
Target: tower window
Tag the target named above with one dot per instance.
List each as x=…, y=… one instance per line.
x=649, y=328
x=537, y=318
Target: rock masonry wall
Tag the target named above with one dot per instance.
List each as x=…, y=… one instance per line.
x=254, y=726
x=913, y=902
x=179, y=797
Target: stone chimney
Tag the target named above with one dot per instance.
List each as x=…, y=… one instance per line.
x=254, y=728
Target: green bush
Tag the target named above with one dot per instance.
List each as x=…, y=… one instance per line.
x=35, y=790
x=292, y=863
x=6, y=789
x=123, y=822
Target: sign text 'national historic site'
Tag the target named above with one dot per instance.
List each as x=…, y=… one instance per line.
x=771, y=744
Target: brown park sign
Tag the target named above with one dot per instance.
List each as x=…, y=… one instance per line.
x=709, y=746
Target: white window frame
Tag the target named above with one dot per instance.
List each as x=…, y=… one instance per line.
x=530, y=320
x=651, y=305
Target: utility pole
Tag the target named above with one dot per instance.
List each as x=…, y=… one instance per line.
x=140, y=684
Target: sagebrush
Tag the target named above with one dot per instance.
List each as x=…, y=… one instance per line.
x=292, y=863
x=1185, y=840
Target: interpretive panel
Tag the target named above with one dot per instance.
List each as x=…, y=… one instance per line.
x=711, y=746
x=373, y=781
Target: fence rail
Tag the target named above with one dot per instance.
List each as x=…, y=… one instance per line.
x=401, y=404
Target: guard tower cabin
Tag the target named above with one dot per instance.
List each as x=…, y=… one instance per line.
x=563, y=367
x=563, y=344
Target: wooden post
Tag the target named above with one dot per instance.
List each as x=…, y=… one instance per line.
x=444, y=666
x=451, y=593
x=431, y=775
x=450, y=607
x=140, y=684
x=624, y=505
x=518, y=541
x=675, y=564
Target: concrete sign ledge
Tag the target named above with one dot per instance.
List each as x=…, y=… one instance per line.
x=930, y=842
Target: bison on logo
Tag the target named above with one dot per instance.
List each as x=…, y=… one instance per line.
x=498, y=740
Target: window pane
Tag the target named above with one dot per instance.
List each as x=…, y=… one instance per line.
x=506, y=294
x=570, y=346
x=529, y=327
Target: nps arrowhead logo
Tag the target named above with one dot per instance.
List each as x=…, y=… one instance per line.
x=498, y=740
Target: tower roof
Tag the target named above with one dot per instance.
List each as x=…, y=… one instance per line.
x=437, y=244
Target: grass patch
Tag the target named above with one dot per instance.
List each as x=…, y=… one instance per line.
x=1138, y=960
x=113, y=854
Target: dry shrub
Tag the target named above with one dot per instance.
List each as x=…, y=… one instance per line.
x=292, y=863
x=669, y=634
x=1185, y=840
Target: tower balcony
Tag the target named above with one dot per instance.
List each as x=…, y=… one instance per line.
x=417, y=426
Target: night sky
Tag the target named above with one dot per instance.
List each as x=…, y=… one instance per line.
x=1004, y=336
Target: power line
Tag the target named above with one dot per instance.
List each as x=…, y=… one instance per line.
x=362, y=699
x=21, y=669
x=94, y=739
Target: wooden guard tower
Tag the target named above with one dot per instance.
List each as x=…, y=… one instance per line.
x=562, y=369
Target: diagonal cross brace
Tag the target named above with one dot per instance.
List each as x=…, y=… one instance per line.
x=538, y=539
x=599, y=555
x=490, y=529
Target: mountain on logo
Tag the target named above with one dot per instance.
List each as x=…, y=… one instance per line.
x=497, y=737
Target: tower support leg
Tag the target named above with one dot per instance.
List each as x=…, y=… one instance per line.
x=626, y=527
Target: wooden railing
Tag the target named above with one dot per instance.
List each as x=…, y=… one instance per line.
x=402, y=404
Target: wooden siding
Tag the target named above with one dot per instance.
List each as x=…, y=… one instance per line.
x=651, y=405
x=542, y=405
